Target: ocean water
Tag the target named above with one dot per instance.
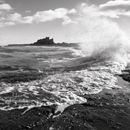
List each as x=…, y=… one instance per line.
x=82, y=75
x=102, y=54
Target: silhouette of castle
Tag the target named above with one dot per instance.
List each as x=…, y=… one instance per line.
x=45, y=41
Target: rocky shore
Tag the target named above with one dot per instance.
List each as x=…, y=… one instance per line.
x=107, y=110
x=23, y=84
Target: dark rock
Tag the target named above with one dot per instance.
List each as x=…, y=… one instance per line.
x=45, y=41
x=100, y=112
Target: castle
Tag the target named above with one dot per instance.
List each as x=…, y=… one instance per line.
x=45, y=41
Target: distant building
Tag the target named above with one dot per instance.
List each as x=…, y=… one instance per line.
x=45, y=41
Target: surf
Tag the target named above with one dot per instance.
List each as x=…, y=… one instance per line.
x=99, y=37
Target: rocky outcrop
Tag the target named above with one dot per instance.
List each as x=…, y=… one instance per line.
x=100, y=112
x=50, y=42
x=45, y=41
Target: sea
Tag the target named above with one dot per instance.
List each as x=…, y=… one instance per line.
x=69, y=75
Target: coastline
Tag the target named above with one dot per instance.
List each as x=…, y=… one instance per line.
x=109, y=110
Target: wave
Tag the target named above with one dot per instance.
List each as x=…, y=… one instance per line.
x=99, y=36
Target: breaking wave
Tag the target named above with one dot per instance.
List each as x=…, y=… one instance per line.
x=99, y=36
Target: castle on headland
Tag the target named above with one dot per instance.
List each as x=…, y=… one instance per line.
x=44, y=42
x=47, y=42
x=50, y=42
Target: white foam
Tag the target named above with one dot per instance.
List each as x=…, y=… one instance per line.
x=67, y=87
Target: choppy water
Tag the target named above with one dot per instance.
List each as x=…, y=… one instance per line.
x=67, y=87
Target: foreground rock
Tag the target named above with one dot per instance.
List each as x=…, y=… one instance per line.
x=107, y=110
x=103, y=111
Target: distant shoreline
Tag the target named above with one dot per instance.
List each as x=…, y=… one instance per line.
x=57, y=44
x=47, y=42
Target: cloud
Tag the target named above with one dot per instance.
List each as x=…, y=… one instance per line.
x=116, y=5
x=16, y=17
x=5, y=6
x=43, y=16
x=4, y=24
x=50, y=15
x=67, y=20
x=4, y=10
x=116, y=8
x=8, y=18
x=112, y=9
x=27, y=20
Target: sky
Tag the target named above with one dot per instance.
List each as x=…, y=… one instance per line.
x=26, y=21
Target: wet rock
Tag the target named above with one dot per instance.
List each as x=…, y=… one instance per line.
x=98, y=113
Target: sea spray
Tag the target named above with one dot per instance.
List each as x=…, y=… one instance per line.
x=99, y=36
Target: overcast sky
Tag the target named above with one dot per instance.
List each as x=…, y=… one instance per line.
x=25, y=21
